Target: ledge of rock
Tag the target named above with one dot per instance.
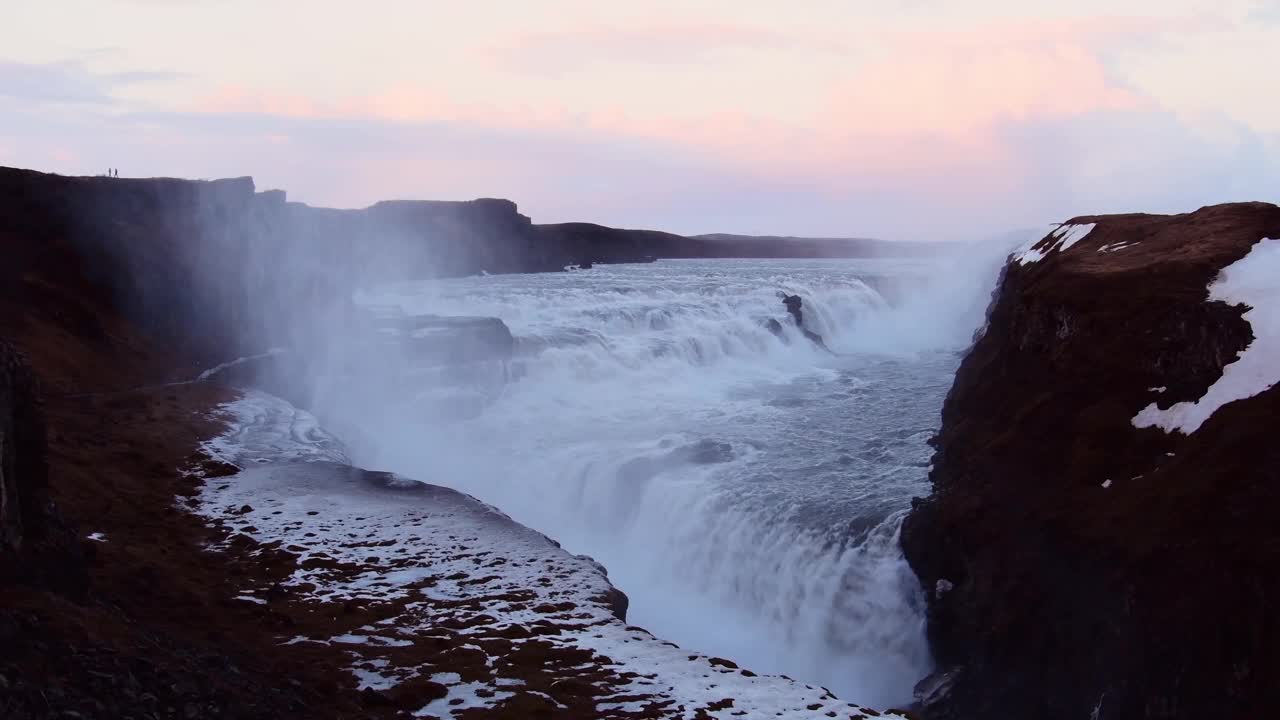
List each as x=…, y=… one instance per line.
x=1101, y=541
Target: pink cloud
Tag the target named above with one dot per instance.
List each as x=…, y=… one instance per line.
x=656, y=43
x=926, y=108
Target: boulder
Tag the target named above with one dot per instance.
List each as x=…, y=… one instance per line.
x=440, y=340
x=795, y=306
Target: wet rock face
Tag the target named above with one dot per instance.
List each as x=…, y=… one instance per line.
x=23, y=475
x=439, y=340
x=1080, y=566
x=36, y=545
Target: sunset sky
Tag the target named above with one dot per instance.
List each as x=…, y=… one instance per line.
x=901, y=119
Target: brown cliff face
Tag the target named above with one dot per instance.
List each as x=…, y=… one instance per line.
x=1068, y=596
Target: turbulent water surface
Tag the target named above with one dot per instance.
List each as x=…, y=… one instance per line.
x=743, y=489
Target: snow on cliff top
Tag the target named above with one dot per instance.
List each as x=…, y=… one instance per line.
x=1253, y=280
x=1062, y=238
x=455, y=596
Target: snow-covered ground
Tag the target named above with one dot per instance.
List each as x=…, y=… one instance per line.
x=451, y=594
x=1251, y=280
x=1060, y=239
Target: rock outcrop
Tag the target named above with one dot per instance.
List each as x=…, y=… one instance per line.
x=1079, y=562
x=795, y=308
x=36, y=546
x=23, y=473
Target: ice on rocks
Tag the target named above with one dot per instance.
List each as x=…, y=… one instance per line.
x=460, y=573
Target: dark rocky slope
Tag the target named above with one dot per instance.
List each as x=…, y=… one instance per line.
x=1076, y=565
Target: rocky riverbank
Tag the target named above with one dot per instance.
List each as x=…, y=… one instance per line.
x=1100, y=538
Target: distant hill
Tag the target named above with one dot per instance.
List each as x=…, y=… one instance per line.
x=588, y=242
x=787, y=246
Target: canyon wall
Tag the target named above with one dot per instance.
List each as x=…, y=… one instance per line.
x=1081, y=562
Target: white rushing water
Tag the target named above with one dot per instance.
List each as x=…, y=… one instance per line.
x=744, y=490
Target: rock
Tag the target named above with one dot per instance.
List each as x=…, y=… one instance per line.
x=439, y=340
x=795, y=306
x=816, y=339
x=931, y=693
x=773, y=326
x=1148, y=599
x=23, y=475
x=36, y=545
x=702, y=452
x=374, y=698
x=942, y=587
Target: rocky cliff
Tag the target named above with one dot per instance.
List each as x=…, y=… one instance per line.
x=1100, y=541
x=28, y=525
x=200, y=263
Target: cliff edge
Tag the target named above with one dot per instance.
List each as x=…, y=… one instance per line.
x=1100, y=541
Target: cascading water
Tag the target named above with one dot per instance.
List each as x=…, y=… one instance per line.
x=743, y=488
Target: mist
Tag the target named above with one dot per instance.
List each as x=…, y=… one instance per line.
x=742, y=484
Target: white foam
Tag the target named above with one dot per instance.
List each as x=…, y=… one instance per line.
x=264, y=428
x=1254, y=280
x=97, y=537
x=760, y=559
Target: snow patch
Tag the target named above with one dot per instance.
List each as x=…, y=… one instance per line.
x=1116, y=247
x=462, y=696
x=1060, y=239
x=1251, y=281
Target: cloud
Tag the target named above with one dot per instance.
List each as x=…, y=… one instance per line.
x=928, y=134
x=659, y=43
x=1266, y=11
x=1102, y=161
x=68, y=82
